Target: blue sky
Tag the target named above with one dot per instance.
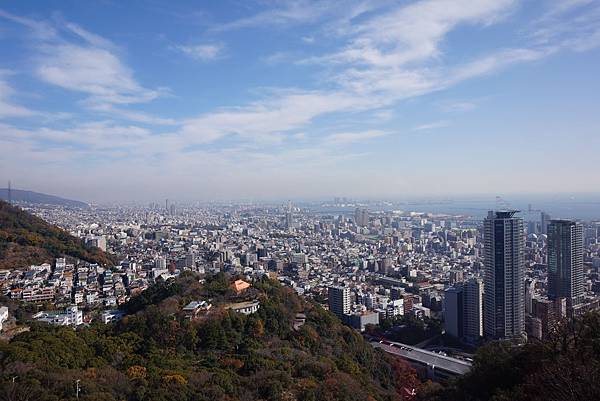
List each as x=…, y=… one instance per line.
x=144, y=100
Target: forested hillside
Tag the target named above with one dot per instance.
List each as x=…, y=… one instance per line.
x=26, y=239
x=566, y=367
x=156, y=354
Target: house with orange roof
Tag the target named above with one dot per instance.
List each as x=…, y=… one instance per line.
x=240, y=285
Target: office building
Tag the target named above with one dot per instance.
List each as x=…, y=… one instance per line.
x=453, y=311
x=463, y=310
x=361, y=217
x=339, y=301
x=545, y=311
x=160, y=263
x=544, y=222
x=529, y=294
x=473, y=309
x=504, y=300
x=98, y=241
x=565, y=262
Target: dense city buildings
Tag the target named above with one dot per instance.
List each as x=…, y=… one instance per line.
x=477, y=277
x=504, y=301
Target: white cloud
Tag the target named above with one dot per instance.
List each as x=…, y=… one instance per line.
x=88, y=65
x=93, y=71
x=291, y=12
x=352, y=137
x=203, y=52
x=389, y=51
x=432, y=126
x=386, y=59
x=457, y=106
x=41, y=30
x=89, y=37
x=7, y=107
x=135, y=116
x=279, y=57
x=413, y=32
x=569, y=24
x=268, y=120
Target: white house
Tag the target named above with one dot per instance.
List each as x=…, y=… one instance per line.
x=72, y=316
x=110, y=316
x=3, y=315
x=244, y=307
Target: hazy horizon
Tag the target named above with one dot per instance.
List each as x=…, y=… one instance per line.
x=299, y=99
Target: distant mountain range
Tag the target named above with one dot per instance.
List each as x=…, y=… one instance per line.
x=19, y=195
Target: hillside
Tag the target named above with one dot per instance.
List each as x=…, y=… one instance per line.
x=26, y=239
x=19, y=195
x=156, y=354
x=565, y=367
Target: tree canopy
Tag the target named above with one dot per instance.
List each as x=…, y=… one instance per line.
x=26, y=239
x=155, y=353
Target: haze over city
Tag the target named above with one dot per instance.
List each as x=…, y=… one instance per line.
x=274, y=100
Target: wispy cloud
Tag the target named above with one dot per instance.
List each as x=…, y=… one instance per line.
x=353, y=137
x=136, y=116
x=7, y=107
x=203, y=52
x=432, y=126
x=413, y=32
x=289, y=13
x=89, y=65
x=570, y=24
x=369, y=58
x=91, y=70
x=279, y=57
x=457, y=106
x=269, y=120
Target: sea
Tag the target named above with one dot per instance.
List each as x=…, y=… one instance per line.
x=584, y=207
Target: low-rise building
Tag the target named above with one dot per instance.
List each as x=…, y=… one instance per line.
x=3, y=315
x=240, y=285
x=195, y=308
x=360, y=320
x=72, y=316
x=111, y=316
x=246, y=308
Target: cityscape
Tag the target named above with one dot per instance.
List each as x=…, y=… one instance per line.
x=300, y=200
x=500, y=278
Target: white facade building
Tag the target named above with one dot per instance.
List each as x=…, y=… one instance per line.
x=3, y=315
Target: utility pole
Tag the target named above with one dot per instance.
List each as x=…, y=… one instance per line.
x=12, y=395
